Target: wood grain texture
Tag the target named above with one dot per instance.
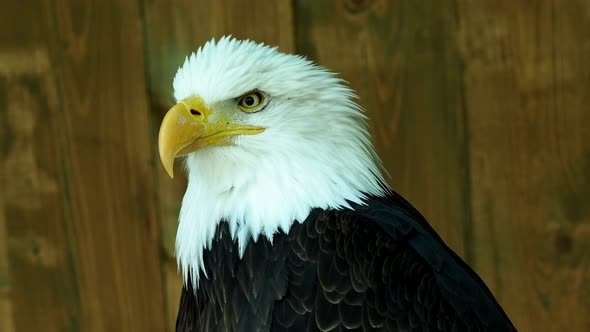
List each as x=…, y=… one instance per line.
x=397, y=56
x=37, y=274
x=172, y=33
x=527, y=80
x=6, y=305
x=110, y=164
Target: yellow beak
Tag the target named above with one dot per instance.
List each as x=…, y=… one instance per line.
x=187, y=127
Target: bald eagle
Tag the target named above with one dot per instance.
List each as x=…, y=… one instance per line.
x=287, y=223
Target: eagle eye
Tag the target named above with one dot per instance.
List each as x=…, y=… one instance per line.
x=251, y=101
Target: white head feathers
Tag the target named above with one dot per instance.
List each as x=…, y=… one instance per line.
x=315, y=151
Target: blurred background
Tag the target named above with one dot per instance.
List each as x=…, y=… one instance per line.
x=480, y=111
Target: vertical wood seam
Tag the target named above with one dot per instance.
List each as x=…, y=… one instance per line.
x=287, y=25
x=61, y=143
x=153, y=160
x=468, y=245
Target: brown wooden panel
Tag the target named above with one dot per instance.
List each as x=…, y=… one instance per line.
x=110, y=165
x=6, y=306
x=37, y=273
x=173, y=32
x=397, y=56
x=41, y=276
x=527, y=83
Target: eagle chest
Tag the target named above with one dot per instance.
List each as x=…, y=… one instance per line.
x=334, y=272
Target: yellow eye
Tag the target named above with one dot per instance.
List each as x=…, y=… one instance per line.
x=251, y=101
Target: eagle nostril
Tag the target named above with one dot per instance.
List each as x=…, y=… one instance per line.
x=195, y=112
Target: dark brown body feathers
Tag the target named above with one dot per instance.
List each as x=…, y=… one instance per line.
x=379, y=267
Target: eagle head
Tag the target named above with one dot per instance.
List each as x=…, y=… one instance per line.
x=266, y=137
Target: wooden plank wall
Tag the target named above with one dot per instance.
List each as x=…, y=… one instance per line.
x=480, y=111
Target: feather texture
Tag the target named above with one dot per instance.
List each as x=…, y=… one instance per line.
x=315, y=141
x=374, y=267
